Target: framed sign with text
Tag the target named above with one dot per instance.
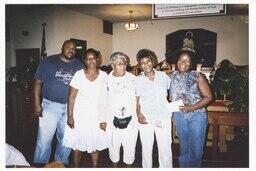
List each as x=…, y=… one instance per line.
x=164, y=11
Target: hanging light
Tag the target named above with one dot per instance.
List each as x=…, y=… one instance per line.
x=131, y=25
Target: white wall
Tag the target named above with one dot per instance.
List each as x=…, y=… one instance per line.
x=232, y=37
x=62, y=24
x=72, y=24
x=31, y=22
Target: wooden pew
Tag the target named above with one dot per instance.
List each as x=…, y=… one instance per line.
x=220, y=120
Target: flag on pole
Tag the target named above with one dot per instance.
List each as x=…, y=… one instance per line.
x=43, y=47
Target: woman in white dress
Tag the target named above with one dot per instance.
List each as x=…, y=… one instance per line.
x=84, y=106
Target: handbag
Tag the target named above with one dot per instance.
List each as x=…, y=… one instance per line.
x=121, y=123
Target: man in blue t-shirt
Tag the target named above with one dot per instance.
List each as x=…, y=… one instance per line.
x=52, y=83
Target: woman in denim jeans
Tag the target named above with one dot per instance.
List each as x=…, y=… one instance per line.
x=191, y=121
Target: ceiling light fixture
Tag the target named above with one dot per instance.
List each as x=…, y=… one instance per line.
x=131, y=25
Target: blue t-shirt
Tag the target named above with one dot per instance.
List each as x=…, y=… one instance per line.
x=56, y=76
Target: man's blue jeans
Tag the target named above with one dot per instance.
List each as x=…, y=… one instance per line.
x=54, y=120
x=191, y=128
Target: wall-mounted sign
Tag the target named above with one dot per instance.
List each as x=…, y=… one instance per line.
x=162, y=11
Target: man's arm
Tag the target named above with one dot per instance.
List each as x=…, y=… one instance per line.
x=37, y=98
x=71, y=101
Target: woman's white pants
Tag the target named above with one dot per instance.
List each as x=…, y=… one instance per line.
x=163, y=131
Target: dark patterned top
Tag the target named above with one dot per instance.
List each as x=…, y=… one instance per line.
x=185, y=87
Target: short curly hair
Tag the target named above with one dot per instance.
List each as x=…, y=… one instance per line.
x=92, y=51
x=116, y=55
x=146, y=53
x=190, y=54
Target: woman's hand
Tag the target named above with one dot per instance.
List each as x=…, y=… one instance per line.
x=186, y=108
x=141, y=118
x=70, y=122
x=103, y=126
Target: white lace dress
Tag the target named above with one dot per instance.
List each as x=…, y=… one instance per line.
x=86, y=135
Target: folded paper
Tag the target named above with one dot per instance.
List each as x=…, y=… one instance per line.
x=174, y=106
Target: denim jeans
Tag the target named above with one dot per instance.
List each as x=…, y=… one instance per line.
x=191, y=129
x=54, y=120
